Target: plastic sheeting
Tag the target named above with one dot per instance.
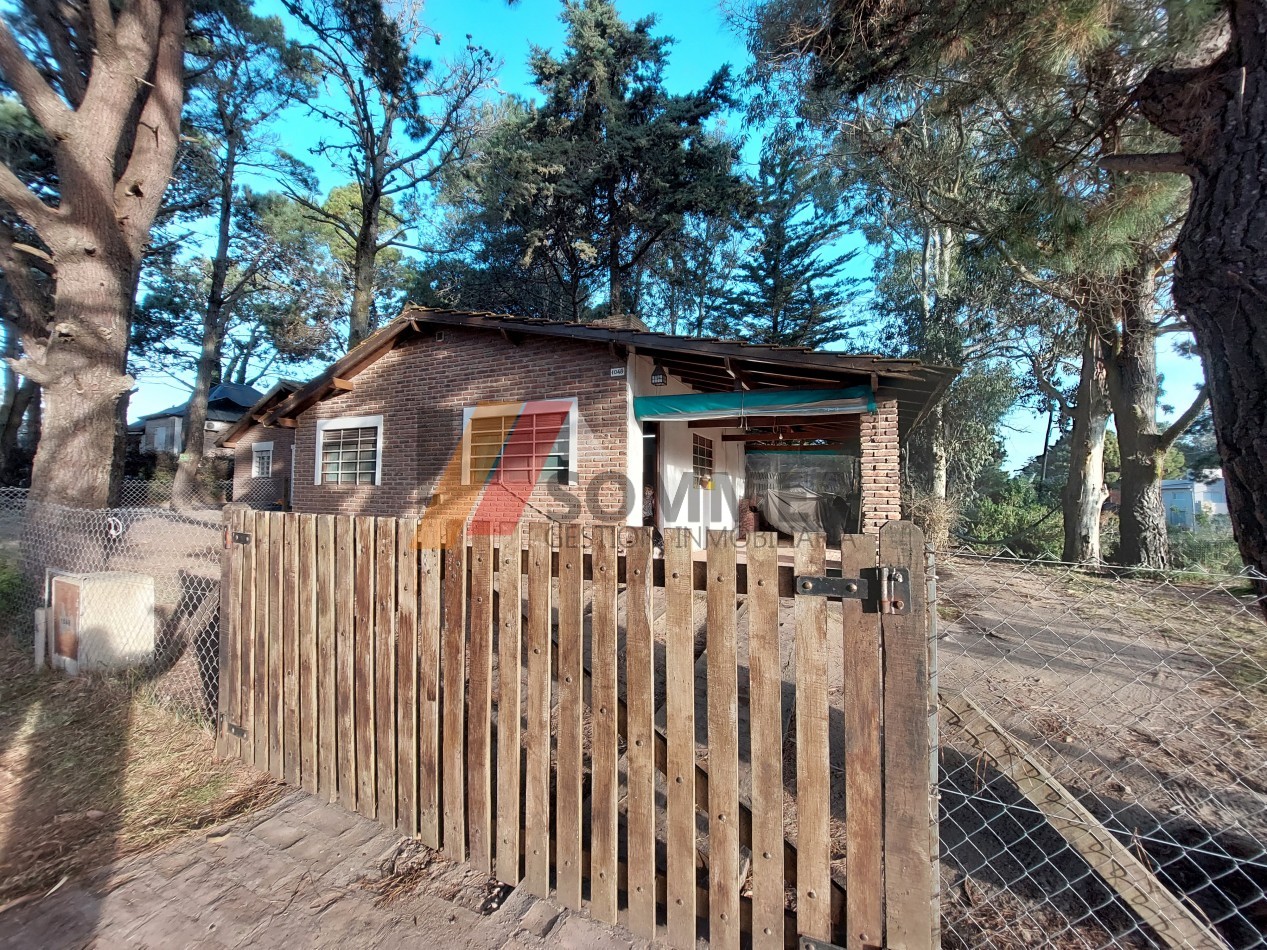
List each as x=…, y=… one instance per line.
x=812, y=490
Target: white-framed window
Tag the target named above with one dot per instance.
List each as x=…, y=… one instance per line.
x=349, y=451
x=702, y=457
x=520, y=443
x=262, y=460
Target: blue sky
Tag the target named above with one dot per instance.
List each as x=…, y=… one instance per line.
x=704, y=43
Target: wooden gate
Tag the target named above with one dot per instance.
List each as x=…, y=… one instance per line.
x=578, y=709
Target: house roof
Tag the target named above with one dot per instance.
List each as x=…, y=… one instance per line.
x=706, y=364
x=282, y=389
x=225, y=403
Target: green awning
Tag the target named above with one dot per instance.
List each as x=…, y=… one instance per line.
x=765, y=402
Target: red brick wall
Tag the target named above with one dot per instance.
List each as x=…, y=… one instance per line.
x=262, y=492
x=421, y=388
x=881, y=469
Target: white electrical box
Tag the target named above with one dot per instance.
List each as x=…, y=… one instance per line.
x=100, y=621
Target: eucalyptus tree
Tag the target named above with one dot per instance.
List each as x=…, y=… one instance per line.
x=394, y=123
x=103, y=85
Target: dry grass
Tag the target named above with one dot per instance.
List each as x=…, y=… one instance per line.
x=91, y=771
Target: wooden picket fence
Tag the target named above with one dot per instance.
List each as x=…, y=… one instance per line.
x=426, y=685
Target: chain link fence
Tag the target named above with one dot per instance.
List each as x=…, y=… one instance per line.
x=137, y=589
x=1103, y=755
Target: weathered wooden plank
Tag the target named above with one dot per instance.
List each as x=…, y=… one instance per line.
x=680, y=726
x=660, y=745
x=604, y=754
x=723, y=745
x=263, y=564
x=247, y=585
x=306, y=583
x=290, y=639
x=429, y=694
x=509, y=703
x=276, y=643
x=1173, y=921
x=453, y=671
x=569, y=760
x=765, y=702
x=479, y=788
x=363, y=668
x=864, y=804
x=385, y=668
x=537, y=733
x=813, y=771
x=345, y=656
x=407, y=676
x=639, y=729
x=228, y=649
x=908, y=866
x=327, y=673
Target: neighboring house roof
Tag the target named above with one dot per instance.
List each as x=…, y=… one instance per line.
x=706, y=364
x=263, y=404
x=225, y=403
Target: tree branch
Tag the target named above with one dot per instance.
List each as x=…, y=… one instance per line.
x=1180, y=425
x=45, y=106
x=23, y=200
x=1159, y=162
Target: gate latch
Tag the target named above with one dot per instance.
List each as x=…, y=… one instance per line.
x=885, y=590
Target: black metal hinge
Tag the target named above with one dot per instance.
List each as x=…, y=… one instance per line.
x=885, y=590
x=232, y=728
x=236, y=537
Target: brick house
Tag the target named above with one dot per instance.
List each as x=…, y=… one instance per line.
x=262, y=457
x=494, y=417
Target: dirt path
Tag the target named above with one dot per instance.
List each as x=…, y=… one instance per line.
x=297, y=874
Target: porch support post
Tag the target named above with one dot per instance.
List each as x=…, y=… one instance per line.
x=881, y=472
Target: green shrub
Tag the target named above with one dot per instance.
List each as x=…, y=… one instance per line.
x=1013, y=516
x=1207, y=548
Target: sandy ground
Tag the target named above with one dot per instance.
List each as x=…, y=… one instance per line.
x=1147, y=700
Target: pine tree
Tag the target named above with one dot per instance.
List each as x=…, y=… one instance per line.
x=1204, y=84
x=609, y=164
x=789, y=288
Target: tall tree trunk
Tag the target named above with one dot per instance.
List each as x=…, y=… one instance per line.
x=615, y=288
x=184, y=486
x=360, y=316
x=1217, y=107
x=213, y=328
x=26, y=392
x=938, y=454
x=83, y=372
x=1131, y=362
x=1083, y=495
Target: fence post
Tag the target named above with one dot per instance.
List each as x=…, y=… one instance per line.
x=934, y=743
x=226, y=744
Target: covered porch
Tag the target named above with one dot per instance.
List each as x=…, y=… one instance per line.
x=724, y=446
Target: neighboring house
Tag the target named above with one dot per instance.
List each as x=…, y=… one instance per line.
x=164, y=432
x=263, y=458
x=493, y=417
x=1185, y=499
